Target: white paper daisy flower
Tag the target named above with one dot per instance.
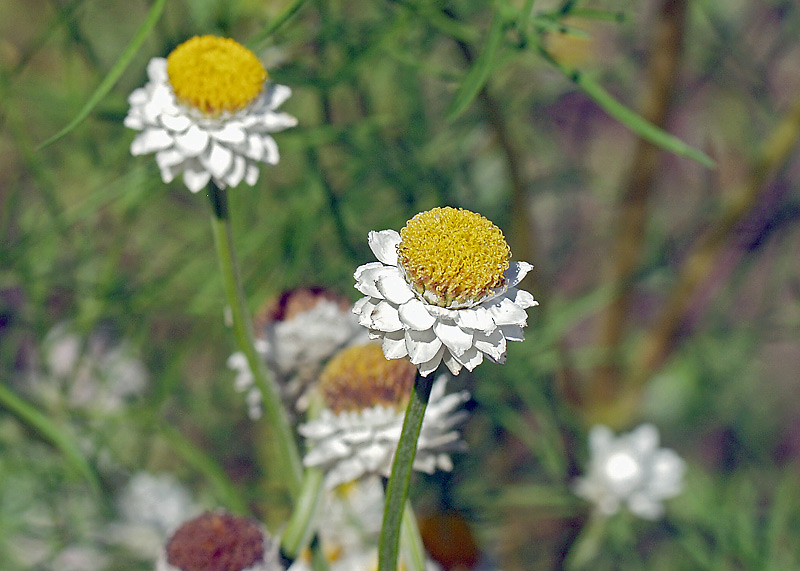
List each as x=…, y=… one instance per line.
x=218, y=541
x=366, y=396
x=630, y=470
x=207, y=113
x=296, y=334
x=443, y=290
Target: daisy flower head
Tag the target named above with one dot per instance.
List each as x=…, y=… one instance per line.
x=365, y=396
x=296, y=333
x=443, y=289
x=207, y=113
x=218, y=541
x=630, y=470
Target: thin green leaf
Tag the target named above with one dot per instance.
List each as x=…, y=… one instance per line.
x=50, y=431
x=275, y=23
x=479, y=72
x=115, y=73
x=630, y=119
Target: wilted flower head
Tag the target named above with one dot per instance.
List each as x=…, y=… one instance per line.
x=207, y=113
x=443, y=289
x=218, y=541
x=296, y=334
x=365, y=397
x=632, y=470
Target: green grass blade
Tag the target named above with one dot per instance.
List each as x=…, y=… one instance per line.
x=632, y=120
x=275, y=23
x=115, y=73
x=479, y=72
x=51, y=432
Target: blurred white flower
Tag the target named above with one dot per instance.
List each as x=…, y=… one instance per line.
x=218, y=540
x=151, y=507
x=630, y=470
x=443, y=290
x=366, y=395
x=92, y=373
x=207, y=113
x=296, y=334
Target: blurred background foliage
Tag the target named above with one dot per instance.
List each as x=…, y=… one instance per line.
x=670, y=292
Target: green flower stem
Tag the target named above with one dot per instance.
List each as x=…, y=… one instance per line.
x=397, y=490
x=300, y=529
x=411, y=547
x=274, y=413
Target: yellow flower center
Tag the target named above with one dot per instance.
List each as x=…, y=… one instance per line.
x=360, y=377
x=453, y=257
x=215, y=75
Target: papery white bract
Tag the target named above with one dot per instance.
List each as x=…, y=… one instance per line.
x=630, y=470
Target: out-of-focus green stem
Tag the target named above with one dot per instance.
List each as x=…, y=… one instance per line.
x=288, y=461
x=397, y=490
x=411, y=547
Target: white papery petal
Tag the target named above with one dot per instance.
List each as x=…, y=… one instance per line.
x=422, y=346
x=477, y=318
x=505, y=312
x=367, y=278
x=157, y=70
x=150, y=141
x=521, y=298
x=271, y=155
x=451, y=362
x=232, y=133
x=251, y=174
x=428, y=367
x=513, y=332
x=394, y=288
x=394, y=345
x=236, y=174
x=456, y=339
x=384, y=245
x=272, y=122
x=169, y=158
x=415, y=316
x=386, y=318
x=276, y=94
x=175, y=123
x=196, y=179
x=471, y=358
x=493, y=345
x=193, y=142
x=255, y=148
x=516, y=272
x=218, y=161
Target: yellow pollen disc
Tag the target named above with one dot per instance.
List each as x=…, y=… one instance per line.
x=215, y=75
x=453, y=257
x=361, y=377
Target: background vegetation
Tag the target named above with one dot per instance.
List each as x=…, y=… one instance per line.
x=670, y=291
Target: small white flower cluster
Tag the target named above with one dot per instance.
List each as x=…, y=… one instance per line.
x=350, y=445
x=630, y=470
